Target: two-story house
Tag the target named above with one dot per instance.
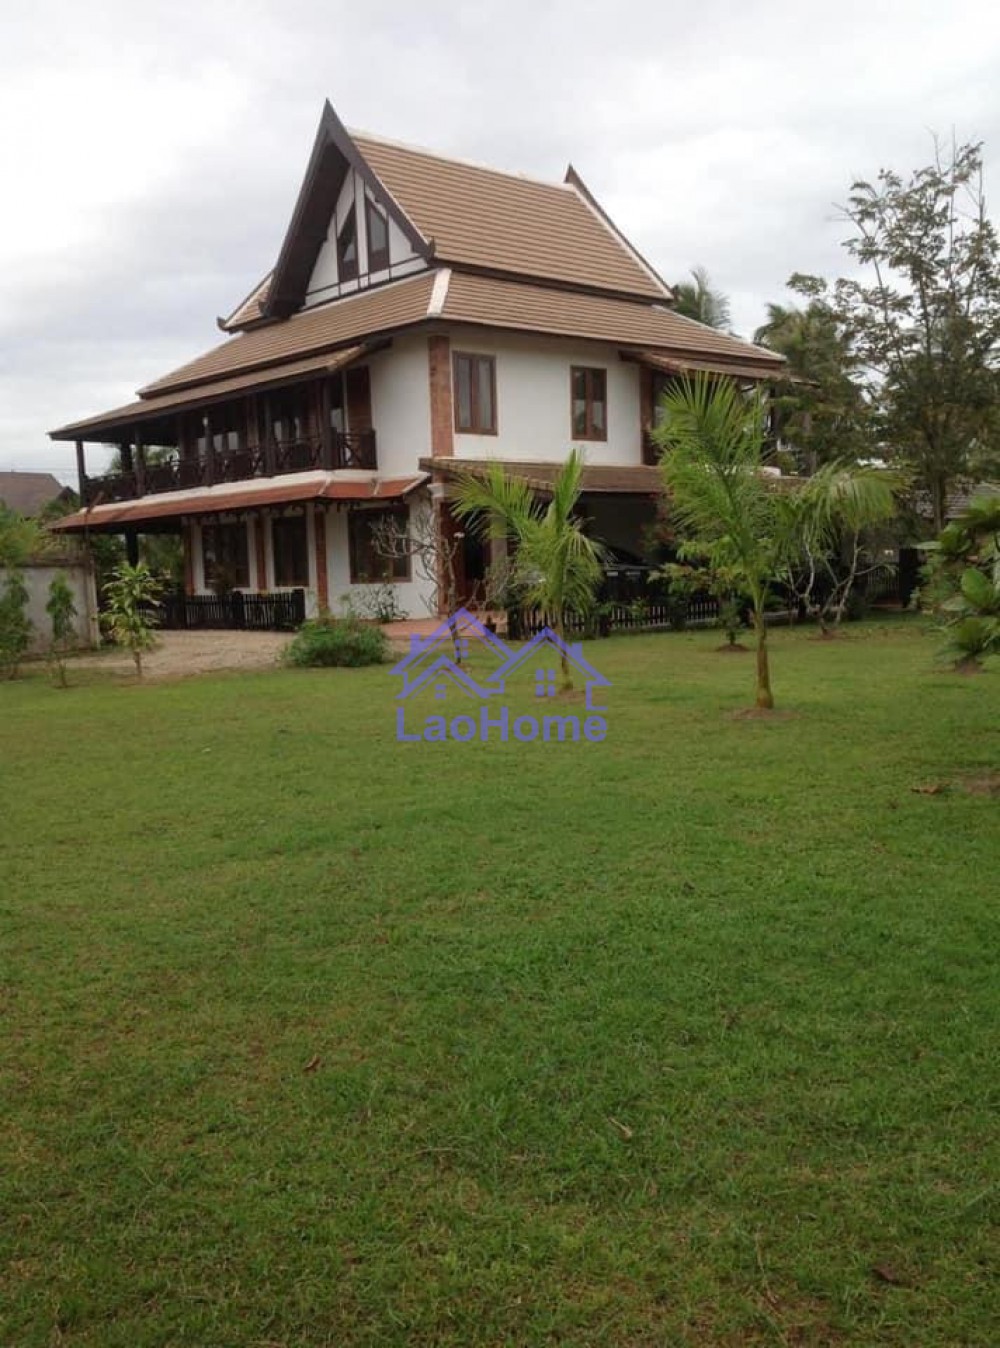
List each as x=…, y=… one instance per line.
x=423, y=313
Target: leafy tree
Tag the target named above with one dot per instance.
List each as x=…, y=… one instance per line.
x=15, y=625
x=61, y=609
x=553, y=562
x=20, y=539
x=924, y=316
x=821, y=410
x=701, y=301
x=964, y=582
x=742, y=522
x=838, y=511
x=130, y=594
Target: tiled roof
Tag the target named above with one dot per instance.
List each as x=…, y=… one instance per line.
x=250, y=309
x=325, y=327
x=252, y=495
x=482, y=217
x=29, y=493
x=213, y=391
x=489, y=302
x=628, y=479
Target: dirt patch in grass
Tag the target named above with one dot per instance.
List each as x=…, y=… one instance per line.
x=734, y=648
x=983, y=784
x=763, y=714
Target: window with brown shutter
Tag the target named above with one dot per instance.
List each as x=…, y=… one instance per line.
x=475, y=394
x=589, y=403
x=368, y=565
x=291, y=553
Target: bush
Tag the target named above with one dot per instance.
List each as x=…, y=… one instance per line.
x=338, y=641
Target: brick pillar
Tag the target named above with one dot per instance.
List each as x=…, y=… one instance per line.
x=442, y=417
x=187, y=545
x=260, y=550
x=322, y=571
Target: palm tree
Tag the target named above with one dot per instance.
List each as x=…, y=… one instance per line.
x=735, y=515
x=554, y=562
x=701, y=302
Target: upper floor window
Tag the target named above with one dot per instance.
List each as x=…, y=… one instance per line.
x=475, y=394
x=347, y=248
x=377, y=227
x=589, y=395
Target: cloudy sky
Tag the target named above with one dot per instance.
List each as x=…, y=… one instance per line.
x=151, y=151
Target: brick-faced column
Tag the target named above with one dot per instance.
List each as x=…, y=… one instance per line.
x=442, y=417
x=187, y=544
x=322, y=570
x=260, y=550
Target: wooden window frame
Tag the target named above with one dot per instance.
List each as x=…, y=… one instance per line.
x=343, y=275
x=282, y=521
x=383, y=263
x=404, y=564
x=588, y=371
x=473, y=357
x=216, y=532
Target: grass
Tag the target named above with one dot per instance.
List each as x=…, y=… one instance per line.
x=685, y=1038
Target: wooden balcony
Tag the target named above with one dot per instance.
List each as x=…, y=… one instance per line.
x=176, y=473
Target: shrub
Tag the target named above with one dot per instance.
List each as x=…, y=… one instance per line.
x=329, y=641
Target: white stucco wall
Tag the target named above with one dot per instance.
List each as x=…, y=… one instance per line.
x=533, y=399
x=324, y=283
x=401, y=405
x=80, y=579
x=415, y=596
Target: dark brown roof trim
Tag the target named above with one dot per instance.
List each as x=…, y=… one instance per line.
x=315, y=204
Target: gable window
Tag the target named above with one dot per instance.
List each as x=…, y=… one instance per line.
x=475, y=394
x=225, y=557
x=368, y=564
x=347, y=248
x=377, y=229
x=291, y=554
x=589, y=395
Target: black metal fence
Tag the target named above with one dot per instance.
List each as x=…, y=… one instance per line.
x=281, y=612
x=635, y=599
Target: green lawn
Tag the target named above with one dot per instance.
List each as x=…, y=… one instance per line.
x=685, y=1038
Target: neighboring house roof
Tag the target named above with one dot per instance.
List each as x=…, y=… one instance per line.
x=959, y=501
x=484, y=217
x=600, y=479
x=30, y=493
x=227, y=498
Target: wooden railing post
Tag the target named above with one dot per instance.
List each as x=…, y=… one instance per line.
x=81, y=473
x=140, y=464
x=209, y=452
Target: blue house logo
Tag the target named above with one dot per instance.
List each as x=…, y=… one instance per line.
x=441, y=700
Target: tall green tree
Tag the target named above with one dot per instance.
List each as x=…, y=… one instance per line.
x=551, y=561
x=698, y=299
x=820, y=411
x=732, y=514
x=923, y=316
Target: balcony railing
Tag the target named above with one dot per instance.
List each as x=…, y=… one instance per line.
x=355, y=449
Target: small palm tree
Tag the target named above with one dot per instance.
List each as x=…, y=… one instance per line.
x=701, y=301
x=735, y=516
x=554, y=562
